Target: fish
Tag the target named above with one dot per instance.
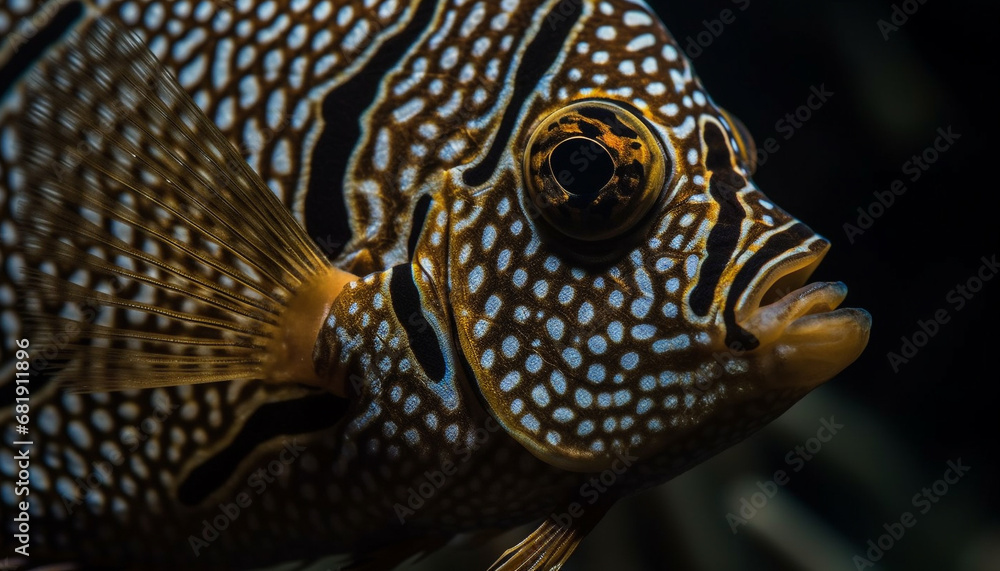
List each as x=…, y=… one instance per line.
x=308, y=278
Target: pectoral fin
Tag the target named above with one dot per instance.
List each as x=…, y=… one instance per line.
x=552, y=543
x=185, y=268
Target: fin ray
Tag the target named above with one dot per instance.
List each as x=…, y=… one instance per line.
x=192, y=260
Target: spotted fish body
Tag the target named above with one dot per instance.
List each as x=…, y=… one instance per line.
x=504, y=340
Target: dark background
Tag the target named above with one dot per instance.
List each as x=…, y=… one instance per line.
x=900, y=428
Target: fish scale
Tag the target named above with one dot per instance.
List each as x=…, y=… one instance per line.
x=491, y=346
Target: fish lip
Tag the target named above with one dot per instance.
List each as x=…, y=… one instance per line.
x=810, y=302
x=786, y=273
x=804, y=337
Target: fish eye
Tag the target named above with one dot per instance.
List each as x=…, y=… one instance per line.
x=593, y=169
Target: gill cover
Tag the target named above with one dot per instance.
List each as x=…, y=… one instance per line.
x=591, y=171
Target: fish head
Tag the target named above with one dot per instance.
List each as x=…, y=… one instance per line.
x=619, y=283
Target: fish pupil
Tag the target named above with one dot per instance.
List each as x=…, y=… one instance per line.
x=582, y=166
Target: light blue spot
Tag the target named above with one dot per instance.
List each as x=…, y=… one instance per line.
x=521, y=314
x=431, y=420
x=532, y=246
x=670, y=310
x=555, y=328
x=642, y=280
x=670, y=402
x=510, y=381
x=480, y=328
x=616, y=299
x=585, y=428
x=623, y=397
x=627, y=422
x=586, y=313
x=691, y=265
x=644, y=406
x=389, y=428
x=411, y=436
x=597, y=446
x=489, y=237
x=503, y=260
x=510, y=346
x=540, y=396
x=643, y=332
x=566, y=295
x=551, y=264
x=530, y=422
x=572, y=357
x=558, y=382
x=411, y=404
x=493, y=306
x=395, y=393
x=476, y=278
x=520, y=277
x=79, y=434
x=517, y=406
x=597, y=345
x=689, y=401
x=563, y=414
x=629, y=361
x=599, y=283
x=503, y=207
x=677, y=343
x=673, y=284
x=641, y=307
x=604, y=400
x=533, y=363
x=552, y=438
x=596, y=373
x=487, y=359
x=664, y=264
x=655, y=424
x=583, y=398
x=668, y=378
x=647, y=383
x=616, y=331
x=48, y=420
x=609, y=424
x=636, y=257
x=451, y=432
x=516, y=227
x=541, y=288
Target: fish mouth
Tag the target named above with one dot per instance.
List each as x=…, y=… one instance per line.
x=800, y=327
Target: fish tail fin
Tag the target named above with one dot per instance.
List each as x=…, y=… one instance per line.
x=155, y=256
